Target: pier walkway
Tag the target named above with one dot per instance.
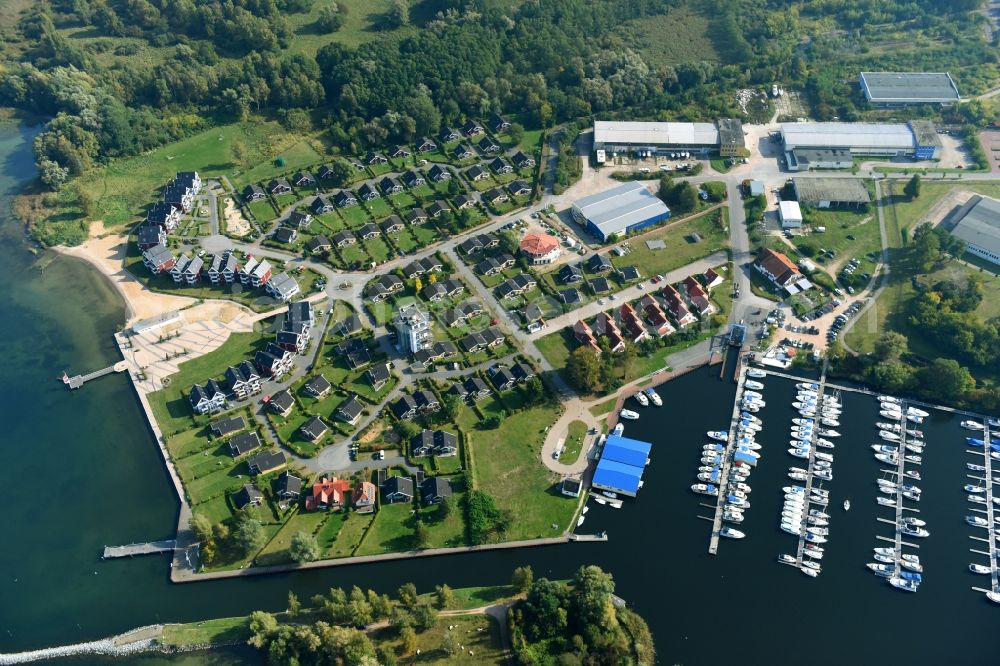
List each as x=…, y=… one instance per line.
x=988, y=482
x=813, y=447
x=76, y=381
x=900, y=476
x=727, y=460
x=133, y=549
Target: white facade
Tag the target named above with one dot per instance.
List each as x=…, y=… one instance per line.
x=790, y=214
x=413, y=326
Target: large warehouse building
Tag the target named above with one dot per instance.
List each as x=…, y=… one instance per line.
x=978, y=224
x=906, y=88
x=834, y=145
x=622, y=463
x=614, y=137
x=621, y=209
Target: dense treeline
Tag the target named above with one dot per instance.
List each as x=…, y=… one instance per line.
x=944, y=314
x=548, y=61
x=578, y=623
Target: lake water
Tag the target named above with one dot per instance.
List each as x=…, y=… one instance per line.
x=81, y=471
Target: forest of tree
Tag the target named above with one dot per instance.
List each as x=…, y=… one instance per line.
x=548, y=61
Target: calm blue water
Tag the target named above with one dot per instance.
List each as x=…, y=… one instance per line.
x=81, y=471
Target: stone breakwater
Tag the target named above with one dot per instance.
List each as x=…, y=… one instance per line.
x=136, y=641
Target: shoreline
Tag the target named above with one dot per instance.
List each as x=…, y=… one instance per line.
x=105, y=252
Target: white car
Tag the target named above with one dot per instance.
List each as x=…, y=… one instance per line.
x=640, y=286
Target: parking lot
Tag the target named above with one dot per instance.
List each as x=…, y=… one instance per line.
x=816, y=330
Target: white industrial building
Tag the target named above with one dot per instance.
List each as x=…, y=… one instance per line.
x=790, y=214
x=628, y=137
x=834, y=145
x=978, y=224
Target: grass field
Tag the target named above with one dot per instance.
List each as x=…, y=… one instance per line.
x=478, y=634
x=556, y=347
x=392, y=531
x=170, y=405
x=276, y=550
x=445, y=532
x=123, y=188
x=351, y=531
x=362, y=23
x=848, y=235
x=574, y=442
x=293, y=156
x=508, y=466
x=679, y=249
x=681, y=35
x=222, y=630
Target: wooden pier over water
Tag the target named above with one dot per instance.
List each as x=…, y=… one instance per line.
x=76, y=381
x=133, y=549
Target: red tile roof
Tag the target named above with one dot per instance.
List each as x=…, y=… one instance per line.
x=538, y=244
x=778, y=265
x=328, y=492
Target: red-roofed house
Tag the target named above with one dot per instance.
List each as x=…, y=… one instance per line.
x=656, y=316
x=606, y=325
x=780, y=270
x=712, y=279
x=697, y=296
x=540, y=248
x=633, y=325
x=363, y=497
x=585, y=336
x=676, y=307
x=328, y=494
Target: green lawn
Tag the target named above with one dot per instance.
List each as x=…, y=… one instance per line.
x=122, y=188
x=849, y=234
x=403, y=200
x=378, y=250
x=293, y=156
x=425, y=234
x=189, y=442
x=170, y=405
x=602, y=408
x=276, y=550
x=392, y=531
x=405, y=241
x=222, y=630
x=556, y=347
x=354, y=253
x=445, y=532
x=349, y=536
x=328, y=531
x=679, y=249
x=478, y=634
x=214, y=484
x=362, y=22
x=379, y=208
x=354, y=216
x=574, y=442
x=508, y=466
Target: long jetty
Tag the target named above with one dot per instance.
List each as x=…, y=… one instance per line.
x=133, y=549
x=807, y=494
x=988, y=482
x=76, y=381
x=727, y=459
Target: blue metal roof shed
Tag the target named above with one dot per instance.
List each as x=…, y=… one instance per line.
x=625, y=450
x=617, y=477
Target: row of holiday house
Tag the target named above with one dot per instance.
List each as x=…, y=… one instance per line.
x=631, y=326
x=333, y=494
x=222, y=268
x=273, y=362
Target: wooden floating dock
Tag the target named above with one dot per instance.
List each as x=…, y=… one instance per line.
x=990, y=514
x=603, y=536
x=727, y=458
x=76, y=381
x=807, y=495
x=133, y=549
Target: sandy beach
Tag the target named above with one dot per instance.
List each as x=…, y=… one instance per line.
x=106, y=251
